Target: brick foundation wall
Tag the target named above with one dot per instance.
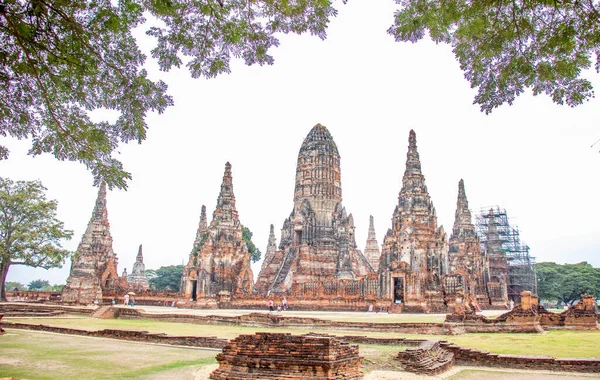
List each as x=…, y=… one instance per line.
x=131, y=335
x=471, y=357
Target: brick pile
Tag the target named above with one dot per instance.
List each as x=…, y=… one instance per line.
x=429, y=358
x=286, y=356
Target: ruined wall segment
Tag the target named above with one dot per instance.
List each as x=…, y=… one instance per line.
x=317, y=240
x=94, y=265
x=220, y=262
x=468, y=266
x=415, y=253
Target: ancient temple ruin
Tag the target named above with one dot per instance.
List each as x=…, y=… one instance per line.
x=94, y=265
x=468, y=266
x=317, y=240
x=137, y=279
x=219, y=264
x=415, y=252
x=511, y=267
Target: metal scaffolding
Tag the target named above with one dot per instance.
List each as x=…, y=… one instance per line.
x=498, y=238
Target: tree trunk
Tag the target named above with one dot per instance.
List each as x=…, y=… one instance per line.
x=3, y=272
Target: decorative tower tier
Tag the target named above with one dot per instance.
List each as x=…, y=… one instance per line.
x=372, y=247
x=317, y=240
x=468, y=266
x=219, y=264
x=415, y=253
x=94, y=265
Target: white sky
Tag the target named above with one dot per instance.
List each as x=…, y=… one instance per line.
x=533, y=158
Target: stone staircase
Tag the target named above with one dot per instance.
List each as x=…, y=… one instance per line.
x=288, y=260
x=429, y=358
x=103, y=312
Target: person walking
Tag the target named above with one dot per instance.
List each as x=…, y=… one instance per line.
x=126, y=300
x=132, y=301
x=270, y=305
x=284, y=303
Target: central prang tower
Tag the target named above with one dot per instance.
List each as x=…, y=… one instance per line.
x=318, y=178
x=317, y=240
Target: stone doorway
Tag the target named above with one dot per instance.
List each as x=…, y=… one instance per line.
x=298, y=237
x=398, y=289
x=194, y=289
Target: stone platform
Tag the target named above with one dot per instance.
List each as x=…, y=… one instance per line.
x=286, y=356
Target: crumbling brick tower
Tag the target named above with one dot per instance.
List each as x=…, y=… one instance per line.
x=415, y=253
x=220, y=261
x=94, y=265
x=468, y=266
x=317, y=240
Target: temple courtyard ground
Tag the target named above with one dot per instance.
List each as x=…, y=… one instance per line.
x=42, y=355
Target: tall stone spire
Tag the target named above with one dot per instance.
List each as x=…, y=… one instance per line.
x=94, y=265
x=137, y=279
x=413, y=163
x=462, y=216
x=271, y=248
x=139, y=259
x=416, y=244
x=221, y=264
x=225, y=211
x=464, y=255
x=202, y=226
x=372, y=248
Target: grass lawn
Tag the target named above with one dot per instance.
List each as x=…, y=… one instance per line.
x=40, y=355
x=563, y=344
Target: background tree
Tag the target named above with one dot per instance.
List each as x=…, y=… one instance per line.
x=247, y=237
x=13, y=284
x=30, y=234
x=39, y=284
x=166, y=278
x=61, y=59
x=504, y=47
x=566, y=283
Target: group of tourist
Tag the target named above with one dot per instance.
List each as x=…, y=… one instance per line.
x=129, y=299
x=280, y=307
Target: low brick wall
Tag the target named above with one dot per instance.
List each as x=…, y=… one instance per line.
x=286, y=356
x=310, y=304
x=471, y=357
x=130, y=335
x=19, y=309
x=277, y=320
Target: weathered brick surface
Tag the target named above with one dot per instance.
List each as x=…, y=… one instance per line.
x=286, y=356
x=94, y=266
x=428, y=358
